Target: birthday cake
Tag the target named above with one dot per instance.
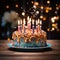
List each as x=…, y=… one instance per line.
x=29, y=39
x=26, y=37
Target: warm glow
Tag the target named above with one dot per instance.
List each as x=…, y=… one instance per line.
x=57, y=17
x=8, y=39
x=33, y=21
x=18, y=22
x=36, y=3
x=34, y=6
x=36, y=22
x=52, y=19
x=44, y=18
x=28, y=18
x=53, y=28
x=53, y=25
x=48, y=2
x=29, y=21
x=42, y=7
x=23, y=13
x=48, y=29
x=40, y=22
x=47, y=11
x=7, y=6
x=37, y=12
x=24, y=21
x=50, y=8
x=57, y=8
x=16, y=5
x=32, y=2
x=41, y=16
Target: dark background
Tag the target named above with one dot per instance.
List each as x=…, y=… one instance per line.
x=6, y=31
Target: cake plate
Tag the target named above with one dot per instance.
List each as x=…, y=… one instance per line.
x=11, y=46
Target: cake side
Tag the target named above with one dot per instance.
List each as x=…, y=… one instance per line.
x=29, y=39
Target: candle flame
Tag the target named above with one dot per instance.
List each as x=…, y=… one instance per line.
x=36, y=22
x=40, y=22
x=24, y=21
x=33, y=21
x=18, y=22
x=28, y=18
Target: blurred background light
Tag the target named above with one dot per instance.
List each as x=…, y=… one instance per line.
x=16, y=5
x=48, y=2
x=7, y=6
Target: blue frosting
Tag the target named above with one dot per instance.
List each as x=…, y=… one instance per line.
x=33, y=43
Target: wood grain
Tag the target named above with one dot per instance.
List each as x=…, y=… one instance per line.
x=48, y=54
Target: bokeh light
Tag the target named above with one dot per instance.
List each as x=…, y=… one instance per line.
x=41, y=17
x=7, y=6
x=34, y=6
x=48, y=2
x=23, y=13
x=36, y=3
x=41, y=7
x=16, y=5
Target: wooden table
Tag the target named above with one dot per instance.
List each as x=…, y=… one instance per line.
x=52, y=54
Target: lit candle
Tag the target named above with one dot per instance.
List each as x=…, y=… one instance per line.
x=29, y=24
x=33, y=21
x=18, y=25
x=24, y=24
x=21, y=22
x=21, y=26
x=33, y=25
x=28, y=18
x=38, y=21
x=40, y=26
x=37, y=26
